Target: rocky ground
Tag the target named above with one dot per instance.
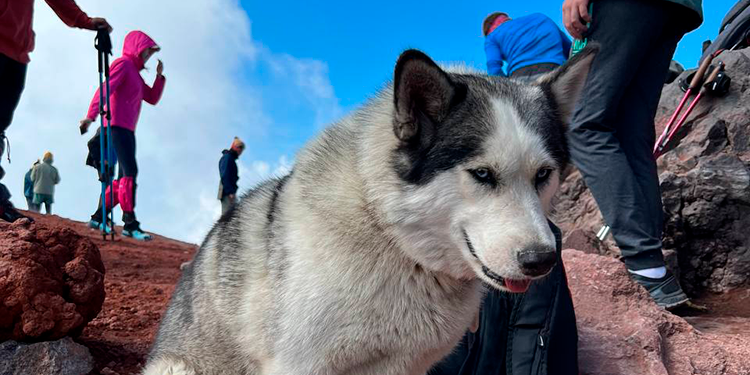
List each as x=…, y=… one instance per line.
x=139, y=280
x=621, y=331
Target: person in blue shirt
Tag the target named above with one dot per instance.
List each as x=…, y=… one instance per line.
x=526, y=47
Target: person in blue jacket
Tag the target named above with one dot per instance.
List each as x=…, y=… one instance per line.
x=525, y=47
x=229, y=175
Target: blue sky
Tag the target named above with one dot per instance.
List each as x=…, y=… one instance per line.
x=272, y=72
x=360, y=41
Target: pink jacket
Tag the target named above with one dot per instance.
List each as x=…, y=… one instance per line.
x=126, y=86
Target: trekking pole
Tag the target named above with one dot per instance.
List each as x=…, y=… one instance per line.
x=103, y=45
x=695, y=85
x=706, y=88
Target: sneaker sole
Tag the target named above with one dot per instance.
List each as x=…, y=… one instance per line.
x=128, y=234
x=676, y=301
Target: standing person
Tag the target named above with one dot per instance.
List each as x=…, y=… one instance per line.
x=522, y=334
x=45, y=177
x=611, y=136
x=229, y=175
x=28, y=189
x=527, y=46
x=127, y=91
x=16, y=41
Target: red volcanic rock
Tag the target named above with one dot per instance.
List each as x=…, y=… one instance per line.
x=51, y=282
x=622, y=331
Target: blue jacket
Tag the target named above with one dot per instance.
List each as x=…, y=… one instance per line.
x=28, y=185
x=524, y=41
x=228, y=172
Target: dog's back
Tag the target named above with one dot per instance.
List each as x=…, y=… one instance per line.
x=202, y=319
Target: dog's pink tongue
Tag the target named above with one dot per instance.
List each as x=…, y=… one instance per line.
x=517, y=286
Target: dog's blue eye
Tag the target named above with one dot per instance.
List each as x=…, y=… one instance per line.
x=483, y=175
x=542, y=175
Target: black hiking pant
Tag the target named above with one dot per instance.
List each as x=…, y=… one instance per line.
x=612, y=136
x=12, y=80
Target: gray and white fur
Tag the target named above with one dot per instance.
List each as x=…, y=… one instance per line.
x=372, y=255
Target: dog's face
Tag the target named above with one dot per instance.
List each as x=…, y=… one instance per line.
x=480, y=159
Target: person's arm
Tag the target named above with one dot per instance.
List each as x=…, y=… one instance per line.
x=574, y=14
x=34, y=174
x=57, y=176
x=494, y=57
x=73, y=16
x=152, y=94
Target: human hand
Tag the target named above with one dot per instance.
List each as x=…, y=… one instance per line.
x=85, y=123
x=160, y=68
x=573, y=12
x=100, y=23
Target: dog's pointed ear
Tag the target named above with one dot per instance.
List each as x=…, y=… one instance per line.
x=567, y=82
x=423, y=95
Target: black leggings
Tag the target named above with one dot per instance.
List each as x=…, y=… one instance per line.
x=123, y=141
x=13, y=78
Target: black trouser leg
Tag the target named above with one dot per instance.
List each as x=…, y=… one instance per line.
x=12, y=80
x=611, y=134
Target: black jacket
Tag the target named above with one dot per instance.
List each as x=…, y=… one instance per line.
x=228, y=172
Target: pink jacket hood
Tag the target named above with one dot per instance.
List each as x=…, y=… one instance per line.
x=126, y=86
x=135, y=43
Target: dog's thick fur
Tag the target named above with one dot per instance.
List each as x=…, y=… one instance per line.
x=371, y=255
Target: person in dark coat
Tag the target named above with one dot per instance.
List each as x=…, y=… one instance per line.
x=229, y=175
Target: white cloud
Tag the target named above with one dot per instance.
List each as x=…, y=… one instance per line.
x=207, y=50
x=311, y=76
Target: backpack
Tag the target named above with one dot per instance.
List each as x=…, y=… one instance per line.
x=533, y=333
x=734, y=32
x=93, y=158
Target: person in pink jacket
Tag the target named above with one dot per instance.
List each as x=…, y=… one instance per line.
x=127, y=91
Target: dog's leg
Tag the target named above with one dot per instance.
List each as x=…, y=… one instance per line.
x=168, y=366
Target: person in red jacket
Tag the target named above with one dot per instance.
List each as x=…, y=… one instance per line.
x=127, y=92
x=16, y=41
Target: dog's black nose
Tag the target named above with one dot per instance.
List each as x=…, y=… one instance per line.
x=537, y=259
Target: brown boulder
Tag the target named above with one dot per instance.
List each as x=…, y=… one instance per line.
x=51, y=282
x=622, y=331
x=705, y=183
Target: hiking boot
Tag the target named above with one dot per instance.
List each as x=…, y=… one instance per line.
x=665, y=291
x=10, y=214
x=133, y=230
x=94, y=224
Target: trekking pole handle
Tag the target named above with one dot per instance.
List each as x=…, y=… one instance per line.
x=698, y=77
x=714, y=74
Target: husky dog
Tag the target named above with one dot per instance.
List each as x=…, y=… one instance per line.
x=371, y=256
